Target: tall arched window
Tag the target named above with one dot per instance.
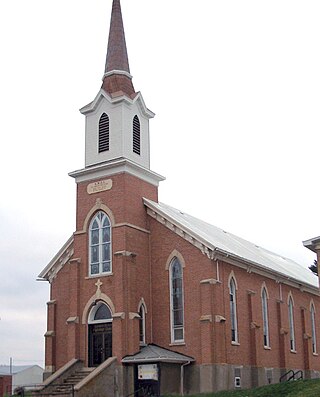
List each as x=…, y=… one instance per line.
x=264, y=301
x=103, y=133
x=313, y=329
x=142, y=325
x=233, y=310
x=100, y=244
x=136, y=135
x=176, y=301
x=291, y=325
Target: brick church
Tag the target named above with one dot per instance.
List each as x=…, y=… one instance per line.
x=149, y=300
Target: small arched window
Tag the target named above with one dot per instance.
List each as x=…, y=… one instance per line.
x=142, y=325
x=136, y=135
x=233, y=310
x=100, y=244
x=291, y=325
x=103, y=133
x=264, y=301
x=176, y=301
x=313, y=329
x=100, y=313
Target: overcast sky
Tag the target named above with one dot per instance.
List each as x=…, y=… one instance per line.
x=235, y=86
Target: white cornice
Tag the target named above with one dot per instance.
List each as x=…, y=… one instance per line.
x=58, y=261
x=116, y=166
x=120, y=72
x=123, y=98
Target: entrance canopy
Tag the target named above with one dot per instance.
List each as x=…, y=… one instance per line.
x=153, y=354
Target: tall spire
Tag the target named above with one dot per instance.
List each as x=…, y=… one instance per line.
x=117, y=78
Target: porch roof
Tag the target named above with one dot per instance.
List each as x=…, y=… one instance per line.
x=153, y=353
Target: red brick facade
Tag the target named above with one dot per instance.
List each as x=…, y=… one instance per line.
x=142, y=248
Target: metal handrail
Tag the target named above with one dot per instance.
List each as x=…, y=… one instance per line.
x=293, y=376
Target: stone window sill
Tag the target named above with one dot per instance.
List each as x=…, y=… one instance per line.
x=293, y=351
x=177, y=344
x=235, y=343
x=267, y=347
x=99, y=276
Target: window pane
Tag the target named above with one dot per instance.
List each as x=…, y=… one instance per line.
x=106, y=222
x=102, y=313
x=178, y=317
x=106, y=267
x=106, y=234
x=94, y=254
x=178, y=334
x=95, y=225
x=95, y=237
x=106, y=252
x=94, y=269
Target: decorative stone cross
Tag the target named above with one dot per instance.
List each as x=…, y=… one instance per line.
x=98, y=284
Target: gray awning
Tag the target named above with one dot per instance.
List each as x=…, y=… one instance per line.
x=154, y=353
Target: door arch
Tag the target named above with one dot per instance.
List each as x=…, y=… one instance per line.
x=100, y=334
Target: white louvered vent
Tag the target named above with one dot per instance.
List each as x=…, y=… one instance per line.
x=103, y=133
x=136, y=135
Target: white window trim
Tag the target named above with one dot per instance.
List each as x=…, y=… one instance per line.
x=313, y=329
x=235, y=317
x=173, y=340
x=265, y=317
x=142, y=309
x=100, y=247
x=291, y=324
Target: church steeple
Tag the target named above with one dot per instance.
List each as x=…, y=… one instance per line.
x=117, y=120
x=117, y=78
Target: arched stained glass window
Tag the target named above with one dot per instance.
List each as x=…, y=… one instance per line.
x=233, y=310
x=136, y=135
x=264, y=301
x=176, y=301
x=103, y=133
x=291, y=325
x=100, y=244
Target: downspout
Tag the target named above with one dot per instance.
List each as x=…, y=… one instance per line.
x=182, y=377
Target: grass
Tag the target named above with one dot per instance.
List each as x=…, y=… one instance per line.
x=300, y=388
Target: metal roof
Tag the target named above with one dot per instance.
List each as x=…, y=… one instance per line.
x=220, y=241
x=153, y=353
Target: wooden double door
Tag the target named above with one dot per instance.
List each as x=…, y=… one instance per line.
x=100, y=343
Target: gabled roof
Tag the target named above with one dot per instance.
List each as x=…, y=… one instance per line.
x=153, y=353
x=58, y=261
x=215, y=242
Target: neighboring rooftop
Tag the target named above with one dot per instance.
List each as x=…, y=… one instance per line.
x=221, y=242
x=6, y=369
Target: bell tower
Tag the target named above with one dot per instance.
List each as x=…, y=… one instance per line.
x=117, y=120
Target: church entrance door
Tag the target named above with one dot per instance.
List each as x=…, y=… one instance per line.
x=100, y=343
x=100, y=334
